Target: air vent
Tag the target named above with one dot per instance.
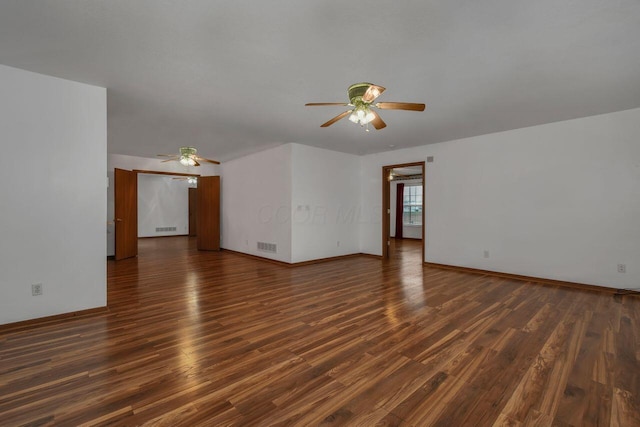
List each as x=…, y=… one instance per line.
x=164, y=229
x=267, y=247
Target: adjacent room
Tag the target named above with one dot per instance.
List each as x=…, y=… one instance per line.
x=320, y=213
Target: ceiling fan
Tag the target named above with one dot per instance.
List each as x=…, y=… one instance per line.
x=393, y=175
x=187, y=157
x=189, y=179
x=361, y=97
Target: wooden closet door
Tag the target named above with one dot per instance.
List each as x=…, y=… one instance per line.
x=193, y=211
x=126, y=213
x=208, y=201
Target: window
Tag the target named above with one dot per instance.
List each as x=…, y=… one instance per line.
x=412, y=205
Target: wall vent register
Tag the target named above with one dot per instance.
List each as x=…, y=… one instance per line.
x=267, y=247
x=164, y=229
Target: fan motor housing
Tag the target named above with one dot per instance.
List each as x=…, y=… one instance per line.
x=188, y=151
x=357, y=91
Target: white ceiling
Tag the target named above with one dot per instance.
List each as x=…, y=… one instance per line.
x=232, y=77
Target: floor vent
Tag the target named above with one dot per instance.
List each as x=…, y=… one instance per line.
x=267, y=247
x=163, y=229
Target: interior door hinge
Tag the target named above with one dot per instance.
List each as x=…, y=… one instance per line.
x=388, y=242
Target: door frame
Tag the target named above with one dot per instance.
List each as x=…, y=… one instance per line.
x=386, y=206
x=136, y=172
x=166, y=173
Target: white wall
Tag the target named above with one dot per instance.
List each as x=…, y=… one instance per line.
x=408, y=231
x=304, y=199
x=142, y=163
x=256, y=202
x=558, y=201
x=325, y=203
x=162, y=202
x=53, y=138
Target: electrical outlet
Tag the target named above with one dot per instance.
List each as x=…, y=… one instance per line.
x=622, y=268
x=486, y=254
x=36, y=289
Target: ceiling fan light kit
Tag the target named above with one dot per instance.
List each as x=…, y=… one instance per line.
x=361, y=97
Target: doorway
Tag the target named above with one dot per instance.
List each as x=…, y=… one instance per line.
x=126, y=228
x=409, y=210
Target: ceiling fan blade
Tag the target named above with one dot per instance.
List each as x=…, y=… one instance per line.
x=317, y=104
x=372, y=93
x=167, y=155
x=202, y=159
x=400, y=106
x=195, y=163
x=377, y=122
x=168, y=160
x=336, y=118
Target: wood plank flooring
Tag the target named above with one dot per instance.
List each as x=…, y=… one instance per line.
x=215, y=339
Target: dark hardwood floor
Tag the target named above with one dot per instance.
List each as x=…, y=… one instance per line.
x=218, y=339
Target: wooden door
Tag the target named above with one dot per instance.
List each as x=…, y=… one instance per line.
x=126, y=212
x=208, y=216
x=193, y=211
x=386, y=212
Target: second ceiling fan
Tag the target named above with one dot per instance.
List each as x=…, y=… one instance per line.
x=361, y=97
x=188, y=157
